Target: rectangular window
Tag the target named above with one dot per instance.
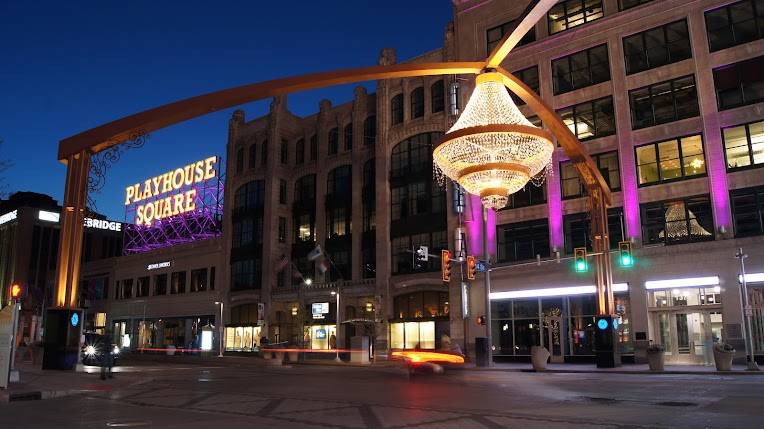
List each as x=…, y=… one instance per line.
x=370, y=130
x=124, y=289
x=572, y=13
x=282, y=229
x=571, y=184
x=437, y=96
x=417, y=102
x=494, y=35
x=658, y=46
x=677, y=221
x=160, y=284
x=246, y=274
x=739, y=84
x=265, y=152
x=212, y=278
x=580, y=69
x=748, y=211
x=530, y=195
x=348, y=136
x=530, y=77
x=577, y=229
x=337, y=222
x=299, y=151
x=735, y=24
x=523, y=240
x=334, y=141
x=744, y=145
x=314, y=147
x=142, y=287
x=590, y=120
x=628, y=4
x=178, y=282
x=199, y=280
x=663, y=102
x=669, y=160
x=284, y=152
x=282, y=191
x=396, y=109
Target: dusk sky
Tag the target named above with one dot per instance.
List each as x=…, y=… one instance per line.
x=71, y=66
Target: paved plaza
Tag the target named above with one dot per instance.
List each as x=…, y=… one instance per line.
x=235, y=395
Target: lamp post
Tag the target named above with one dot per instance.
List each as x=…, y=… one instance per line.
x=751, y=362
x=337, y=328
x=220, y=329
x=487, y=278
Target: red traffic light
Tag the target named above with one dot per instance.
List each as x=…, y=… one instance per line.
x=480, y=320
x=15, y=291
x=471, y=267
x=445, y=265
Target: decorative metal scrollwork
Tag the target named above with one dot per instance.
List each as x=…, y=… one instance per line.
x=102, y=161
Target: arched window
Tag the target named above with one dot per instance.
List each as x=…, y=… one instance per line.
x=339, y=181
x=246, y=274
x=438, y=96
x=349, y=136
x=252, y=156
x=396, y=109
x=249, y=196
x=413, y=155
x=305, y=188
x=334, y=141
x=417, y=103
x=370, y=130
x=240, y=160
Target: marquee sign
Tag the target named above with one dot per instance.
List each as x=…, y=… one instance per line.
x=106, y=225
x=164, y=196
x=179, y=206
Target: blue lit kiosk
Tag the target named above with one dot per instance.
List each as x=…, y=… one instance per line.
x=62, y=336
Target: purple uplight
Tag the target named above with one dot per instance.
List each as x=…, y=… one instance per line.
x=717, y=173
x=474, y=224
x=554, y=207
x=630, y=192
x=491, y=232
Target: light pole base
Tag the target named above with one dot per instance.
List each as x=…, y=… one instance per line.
x=752, y=365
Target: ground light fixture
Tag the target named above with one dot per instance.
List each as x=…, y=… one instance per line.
x=493, y=150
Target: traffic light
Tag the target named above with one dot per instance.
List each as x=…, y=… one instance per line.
x=445, y=265
x=422, y=253
x=626, y=257
x=480, y=320
x=15, y=291
x=580, y=260
x=471, y=267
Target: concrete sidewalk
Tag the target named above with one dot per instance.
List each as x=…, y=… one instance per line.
x=36, y=383
x=623, y=369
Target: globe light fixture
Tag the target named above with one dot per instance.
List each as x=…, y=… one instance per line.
x=493, y=150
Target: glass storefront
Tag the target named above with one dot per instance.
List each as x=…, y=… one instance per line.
x=242, y=338
x=562, y=324
x=420, y=320
x=412, y=335
x=164, y=333
x=756, y=301
x=687, y=322
x=321, y=337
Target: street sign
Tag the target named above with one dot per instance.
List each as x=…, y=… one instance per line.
x=481, y=266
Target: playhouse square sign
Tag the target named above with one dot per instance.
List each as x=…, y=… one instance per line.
x=168, y=194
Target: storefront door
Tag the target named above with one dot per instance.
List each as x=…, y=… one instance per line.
x=553, y=338
x=687, y=336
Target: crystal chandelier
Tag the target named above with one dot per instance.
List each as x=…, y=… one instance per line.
x=492, y=150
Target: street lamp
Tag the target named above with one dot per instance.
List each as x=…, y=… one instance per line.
x=220, y=329
x=337, y=328
x=308, y=282
x=752, y=365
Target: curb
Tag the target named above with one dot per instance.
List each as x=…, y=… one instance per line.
x=37, y=395
x=627, y=372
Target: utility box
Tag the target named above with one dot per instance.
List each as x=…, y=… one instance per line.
x=606, y=342
x=359, y=350
x=481, y=351
x=61, y=344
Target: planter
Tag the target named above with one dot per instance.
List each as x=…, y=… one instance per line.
x=266, y=353
x=723, y=359
x=539, y=357
x=294, y=356
x=279, y=356
x=656, y=360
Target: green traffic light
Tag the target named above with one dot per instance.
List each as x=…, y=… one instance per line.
x=580, y=266
x=626, y=261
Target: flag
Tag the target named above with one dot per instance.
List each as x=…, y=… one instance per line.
x=315, y=253
x=283, y=262
x=324, y=265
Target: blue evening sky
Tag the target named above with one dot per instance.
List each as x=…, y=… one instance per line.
x=67, y=66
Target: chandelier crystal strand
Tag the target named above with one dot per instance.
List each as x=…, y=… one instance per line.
x=493, y=150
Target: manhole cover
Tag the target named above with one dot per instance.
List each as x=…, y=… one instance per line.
x=677, y=404
x=601, y=400
x=133, y=424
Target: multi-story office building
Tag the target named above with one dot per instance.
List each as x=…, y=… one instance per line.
x=29, y=231
x=665, y=95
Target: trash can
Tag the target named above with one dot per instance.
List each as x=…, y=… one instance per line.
x=481, y=351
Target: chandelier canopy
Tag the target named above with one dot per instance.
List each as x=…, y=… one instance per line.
x=492, y=150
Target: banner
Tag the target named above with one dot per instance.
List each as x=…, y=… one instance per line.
x=6, y=343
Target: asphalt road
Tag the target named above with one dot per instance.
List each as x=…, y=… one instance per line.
x=313, y=397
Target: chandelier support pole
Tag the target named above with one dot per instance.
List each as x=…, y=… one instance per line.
x=487, y=280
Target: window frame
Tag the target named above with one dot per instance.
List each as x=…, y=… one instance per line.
x=652, y=96
x=348, y=136
x=758, y=194
x=683, y=176
x=396, y=109
x=504, y=28
x=569, y=60
x=597, y=157
x=416, y=100
x=666, y=45
x=565, y=14
x=739, y=68
x=592, y=104
x=502, y=232
x=438, y=96
x=622, y=8
x=730, y=25
x=663, y=205
x=749, y=145
x=333, y=141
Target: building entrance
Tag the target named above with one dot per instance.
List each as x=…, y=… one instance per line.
x=687, y=322
x=553, y=338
